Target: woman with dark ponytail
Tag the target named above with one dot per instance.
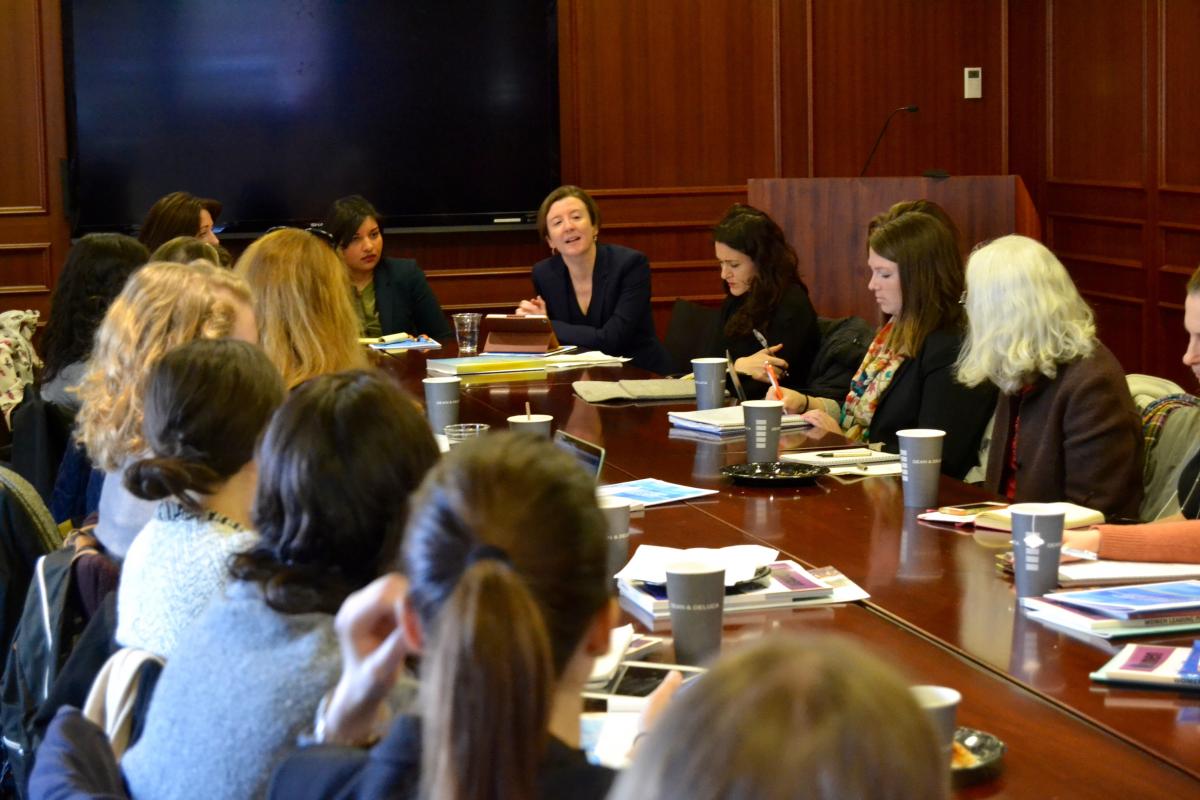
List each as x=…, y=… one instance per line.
x=201, y=469
x=508, y=613
x=336, y=466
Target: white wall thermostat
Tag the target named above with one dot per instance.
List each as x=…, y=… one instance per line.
x=972, y=83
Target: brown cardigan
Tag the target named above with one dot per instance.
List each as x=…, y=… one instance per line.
x=1080, y=439
x=1162, y=541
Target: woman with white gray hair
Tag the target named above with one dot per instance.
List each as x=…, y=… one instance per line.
x=1066, y=427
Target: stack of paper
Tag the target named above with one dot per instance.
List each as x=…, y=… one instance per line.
x=652, y=492
x=1112, y=573
x=1158, y=608
x=726, y=420
x=1153, y=665
x=395, y=342
x=787, y=585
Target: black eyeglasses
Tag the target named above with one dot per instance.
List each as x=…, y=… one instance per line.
x=316, y=230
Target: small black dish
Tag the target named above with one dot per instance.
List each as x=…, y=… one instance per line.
x=773, y=473
x=989, y=757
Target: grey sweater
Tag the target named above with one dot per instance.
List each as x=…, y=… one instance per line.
x=243, y=682
x=122, y=514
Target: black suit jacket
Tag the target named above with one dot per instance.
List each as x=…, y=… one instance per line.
x=406, y=303
x=793, y=324
x=391, y=769
x=924, y=394
x=618, y=320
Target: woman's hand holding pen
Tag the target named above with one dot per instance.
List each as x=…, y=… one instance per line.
x=755, y=365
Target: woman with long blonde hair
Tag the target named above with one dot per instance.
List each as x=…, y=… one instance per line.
x=162, y=306
x=306, y=321
x=1066, y=427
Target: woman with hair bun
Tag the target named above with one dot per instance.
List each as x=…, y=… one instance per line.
x=508, y=614
x=1066, y=427
x=336, y=467
x=201, y=469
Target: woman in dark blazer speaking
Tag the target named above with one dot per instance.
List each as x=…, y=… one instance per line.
x=597, y=296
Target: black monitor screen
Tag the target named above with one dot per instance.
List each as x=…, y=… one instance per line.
x=438, y=111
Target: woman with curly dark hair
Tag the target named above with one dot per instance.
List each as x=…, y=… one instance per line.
x=96, y=270
x=766, y=317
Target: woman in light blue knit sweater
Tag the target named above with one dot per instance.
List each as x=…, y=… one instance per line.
x=201, y=468
x=336, y=467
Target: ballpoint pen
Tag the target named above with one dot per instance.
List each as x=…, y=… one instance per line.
x=761, y=339
x=774, y=381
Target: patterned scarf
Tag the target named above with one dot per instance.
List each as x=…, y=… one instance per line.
x=874, y=376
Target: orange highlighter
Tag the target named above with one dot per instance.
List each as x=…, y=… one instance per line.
x=774, y=381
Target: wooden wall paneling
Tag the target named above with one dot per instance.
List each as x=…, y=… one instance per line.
x=1181, y=252
x=1026, y=121
x=33, y=230
x=1117, y=202
x=826, y=219
x=25, y=267
x=1106, y=237
x=1179, y=114
x=1097, y=83
x=1180, y=247
x=1101, y=158
x=23, y=179
x=669, y=93
x=872, y=56
x=795, y=87
x=1119, y=321
x=26, y=276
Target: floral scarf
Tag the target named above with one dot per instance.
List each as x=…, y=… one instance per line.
x=874, y=376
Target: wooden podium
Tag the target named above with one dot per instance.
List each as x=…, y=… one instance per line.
x=826, y=219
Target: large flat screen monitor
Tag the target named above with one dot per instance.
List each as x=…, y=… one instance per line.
x=441, y=112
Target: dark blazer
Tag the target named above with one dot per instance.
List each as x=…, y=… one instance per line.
x=392, y=769
x=794, y=325
x=406, y=303
x=925, y=394
x=618, y=320
x=1080, y=439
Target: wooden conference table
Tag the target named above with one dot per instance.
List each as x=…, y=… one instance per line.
x=938, y=610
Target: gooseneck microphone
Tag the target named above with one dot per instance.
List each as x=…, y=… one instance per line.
x=882, y=131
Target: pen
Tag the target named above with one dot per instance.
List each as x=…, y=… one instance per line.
x=1086, y=555
x=761, y=339
x=774, y=382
